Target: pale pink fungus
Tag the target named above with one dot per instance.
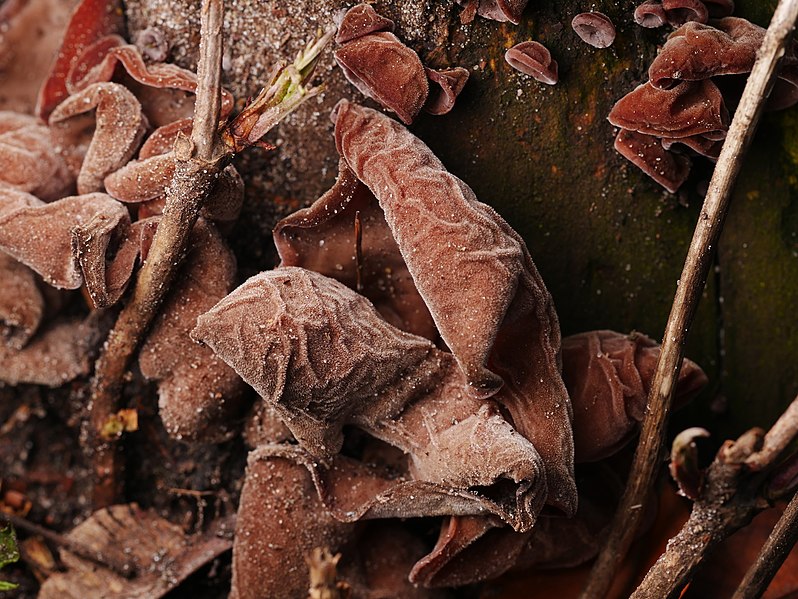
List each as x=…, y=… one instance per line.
x=595, y=28
x=534, y=59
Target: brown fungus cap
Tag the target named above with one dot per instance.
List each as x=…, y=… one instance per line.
x=199, y=396
x=21, y=303
x=595, y=28
x=358, y=21
x=497, y=10
x=30, y=161
x=504, y=317
x=534, y=59
x=90, y=21
x=386, y=70
x=164, y=90
x=50, y=251
x=117, y=134
x=447, y=85
x=650, y=14
x=695, y=51
x=322, y=238
x=608, y=376
x=332, y=361
x=647, y=153
x=679, y=12
x=688, y=108
x=59, y=352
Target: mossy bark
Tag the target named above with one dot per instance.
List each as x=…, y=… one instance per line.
x=609, y=242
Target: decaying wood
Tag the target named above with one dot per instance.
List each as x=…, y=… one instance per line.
x=690, y=286
x=199, y=162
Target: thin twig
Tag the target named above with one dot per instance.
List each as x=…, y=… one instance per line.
x=126, y=569
x=733, y=492
x=776, y=549
x=688, y=293
x=198, y=163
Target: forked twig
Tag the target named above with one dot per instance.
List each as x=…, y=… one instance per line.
x=736, y=487
x=688, y=293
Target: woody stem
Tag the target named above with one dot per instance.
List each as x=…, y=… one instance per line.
x=688, y=292
x=199, y=160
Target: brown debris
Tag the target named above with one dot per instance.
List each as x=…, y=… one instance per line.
x=164, y=554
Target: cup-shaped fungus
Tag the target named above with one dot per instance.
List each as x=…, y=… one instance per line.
x=343, y=235
x=50, y=251
x=533, y=59
x=608, y=376
x=30, y=162
x=381, y=67
x=360, y=20
x=647, y=153
x=198, y=394
x=332, y=361
x=679, y=12
x=21, y=303
x=689, y=108
x=728, y=47
x=497, y=10
x=447, y=85
x=595, y=28
x=119, y=129
x=59, y=352
x=90, y=21
x=144, y=181
x=650, y=14
x=505, y=317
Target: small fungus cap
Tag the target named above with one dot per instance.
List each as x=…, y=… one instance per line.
x=650, y=14
x=358, y=21
x=595, y=29
x=534, y=59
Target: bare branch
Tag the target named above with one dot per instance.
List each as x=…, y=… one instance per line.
x=688, y=293
x=196, y=170
x=770, y=559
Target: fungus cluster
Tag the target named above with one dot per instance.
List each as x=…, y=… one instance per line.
x=383, y=68
x=683, y=110
x=366, y=419
x=104, y=104
x=656, y=13
x=389, y=389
